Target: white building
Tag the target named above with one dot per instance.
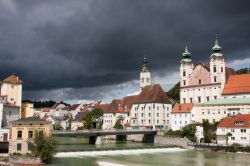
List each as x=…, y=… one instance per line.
x=181, y=115
x=151, y=109
x=238, y=126
x=203, y=82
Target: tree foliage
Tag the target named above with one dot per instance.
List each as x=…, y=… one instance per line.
x=243, y=71
x=42, y=104
x=93, y=119
x=118, y=124
x=69, y=122
x=43, y=147
x=174, y=92
x=187, y=131
x=209, y=130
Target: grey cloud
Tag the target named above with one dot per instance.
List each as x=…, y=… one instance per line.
x=86, y=45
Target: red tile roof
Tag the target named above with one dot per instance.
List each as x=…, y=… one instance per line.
x=152, y=94
x=238, y=121
x=45, y=110
x=182, y=108
x=237, y=84
x=7, y=104
x=12, y=79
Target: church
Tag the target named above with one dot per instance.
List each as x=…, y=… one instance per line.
x=203, y=82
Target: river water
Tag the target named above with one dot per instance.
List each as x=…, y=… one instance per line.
x=154, y=156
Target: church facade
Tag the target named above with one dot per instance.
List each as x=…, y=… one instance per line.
x=203, y=82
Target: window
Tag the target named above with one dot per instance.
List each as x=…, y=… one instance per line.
x=199, y=81
x=167, y=115
x=149, y=121
x=184, y=100
x=232, y=138
x=191, y=100
x=142, y=80
x=180, y=122
x=215, y=97
x=141, y=121
x=157, y=121
x=214, y=69
x=12, y=86
x=222, y=69
x=157, y=114
x=207, y=98
x=199, y=99
x=30, y=134
x=185, y=122
x=184, y=73
x=19, y=134
x=29, y=146
x=157, y=107
x=215, y=79
x=232, y=130
x=243, y=130
x=147, y=80
x=141, y=114
x=19, y=147
x=40, y=132
x=149, y=114
x=184, y=82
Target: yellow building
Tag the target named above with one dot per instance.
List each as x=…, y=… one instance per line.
x=27, y=110
x=11, y=87
x=22, y=131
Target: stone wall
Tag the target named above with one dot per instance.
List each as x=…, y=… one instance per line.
x=181, y=142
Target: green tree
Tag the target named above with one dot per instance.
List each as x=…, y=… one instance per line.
x=243, y=71
x=209, y=130
x=118, y=124
x=69, y=122
x=43, y=147
x=174, y=92
x=93, y=119
x=57, y=126
x=189, y=132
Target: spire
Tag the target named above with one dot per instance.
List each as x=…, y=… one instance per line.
x=145, y=65
x=186, y=54
x=216, y=47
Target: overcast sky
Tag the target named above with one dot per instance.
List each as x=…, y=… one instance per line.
x=93, y=49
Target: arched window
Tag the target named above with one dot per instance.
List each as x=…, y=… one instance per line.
x=184, y=73
x=215, y=69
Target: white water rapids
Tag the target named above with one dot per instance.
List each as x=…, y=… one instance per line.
x=118, y=152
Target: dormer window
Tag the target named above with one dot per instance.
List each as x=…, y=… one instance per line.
x=239, y=123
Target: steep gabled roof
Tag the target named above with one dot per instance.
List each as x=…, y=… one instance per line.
x=72, y=107
x=12, y=79
x=152, y=94
x=182, y=108
x=237, y=84
x=238, y=121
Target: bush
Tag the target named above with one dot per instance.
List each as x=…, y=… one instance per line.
x=232, y=148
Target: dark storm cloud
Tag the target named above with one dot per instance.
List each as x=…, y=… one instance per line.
x=61, y=44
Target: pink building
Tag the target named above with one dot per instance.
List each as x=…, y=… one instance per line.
x=203, y=82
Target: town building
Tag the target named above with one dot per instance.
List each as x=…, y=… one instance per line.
x=27, y=110
x=11, y=87
x=22, y=131
x=118, y=109
x=11, y=112
x=181, y=115
x=77, y=122
x=203, y=82
x=151, y=109
x=73, y=109
x=237, y=86
x=239, y=128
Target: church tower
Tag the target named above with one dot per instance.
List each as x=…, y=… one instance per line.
x=186, y=67
x=145, y=76
x=217, y=65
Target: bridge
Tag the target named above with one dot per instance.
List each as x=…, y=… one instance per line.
x=95, y=136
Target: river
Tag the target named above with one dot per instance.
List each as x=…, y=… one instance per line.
x=154, y=156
